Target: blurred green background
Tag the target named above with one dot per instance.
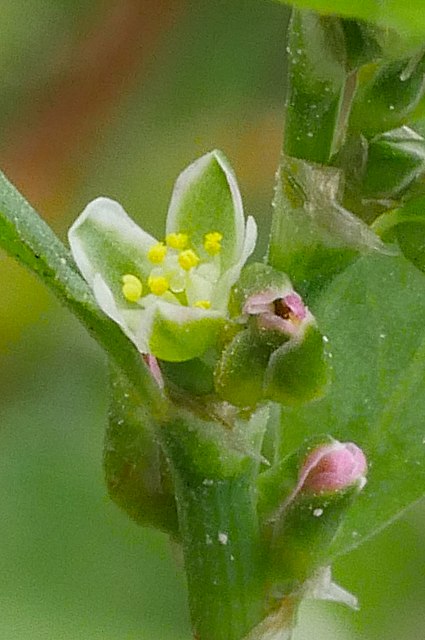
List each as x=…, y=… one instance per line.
x=116, y=98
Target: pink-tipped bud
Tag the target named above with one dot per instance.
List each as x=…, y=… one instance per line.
x=333, y=467
x=282, y=311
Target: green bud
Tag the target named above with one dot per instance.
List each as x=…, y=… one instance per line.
x=239, y=376
x=406, y=225
x=280, y=356
x=395, y=160
x=329, y=478
x=389, y=96
x=136, y=471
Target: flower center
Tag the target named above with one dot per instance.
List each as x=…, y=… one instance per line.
x=281, y=309
x=179, y=274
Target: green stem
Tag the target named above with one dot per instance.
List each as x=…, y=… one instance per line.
x=26, y=237
x=218, y=526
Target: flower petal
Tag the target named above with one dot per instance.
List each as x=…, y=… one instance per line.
x=205, y=199
x=177, y=333
x=129, y=320
x=105, y=240
x=228, y=279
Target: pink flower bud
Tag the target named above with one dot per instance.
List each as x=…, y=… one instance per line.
x=282, y=311
x=333, y=467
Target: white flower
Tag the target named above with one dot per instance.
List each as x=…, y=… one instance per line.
x=170, y=298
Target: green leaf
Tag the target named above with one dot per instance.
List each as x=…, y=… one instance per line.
x=26, y=237
x=373, y=315
x=390, y=13
x=313, y=237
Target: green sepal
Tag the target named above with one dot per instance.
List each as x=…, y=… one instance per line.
x=316, y=84
x=406, y=225
x=136, y=471
x=299, y=370
x=389, y=96
x=239, y=376
x=395, y=160
x=313, y=237
x=303, y=535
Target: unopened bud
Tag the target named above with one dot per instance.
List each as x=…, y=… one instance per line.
x=333, y=467
x=329, y=480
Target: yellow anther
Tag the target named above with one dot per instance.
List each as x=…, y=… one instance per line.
x=158, y=284
x=177, y=241
x=132, y=288
x=157, y=253
x=188, y=259
x=202, y=304
x=212, y=242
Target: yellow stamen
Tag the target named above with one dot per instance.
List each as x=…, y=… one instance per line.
x=188, y=259
x=177, y=240
x=158, y=284
x=132, y=288
x=157, y=253
x=212, y=242
x=202, y=304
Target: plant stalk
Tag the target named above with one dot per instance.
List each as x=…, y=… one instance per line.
x=223, y=559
